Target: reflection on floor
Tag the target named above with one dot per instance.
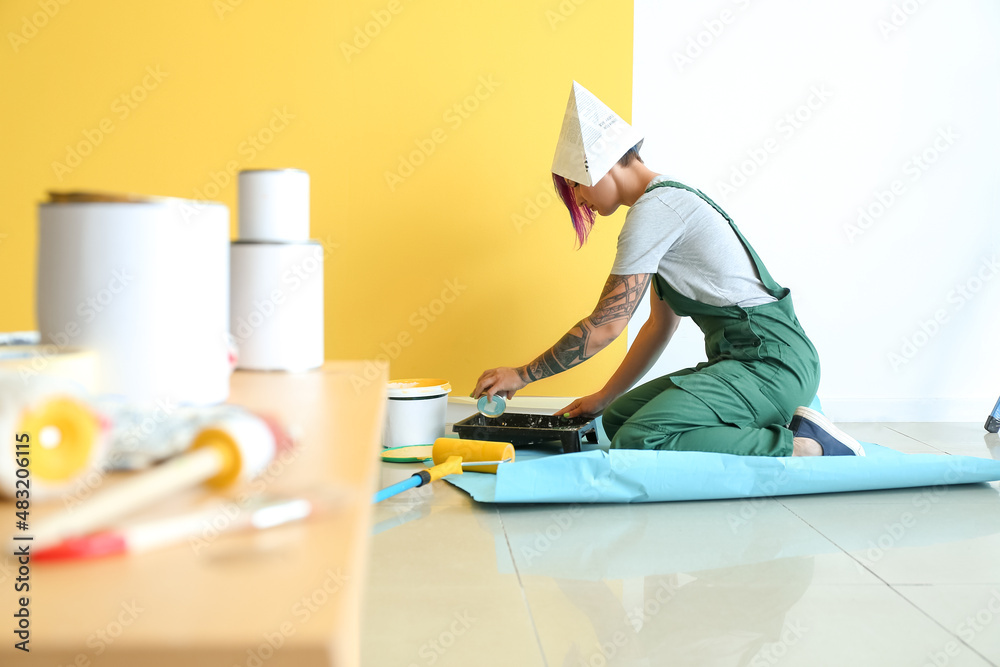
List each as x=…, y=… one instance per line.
x=902, y=577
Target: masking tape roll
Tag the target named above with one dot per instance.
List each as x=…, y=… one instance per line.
x=47, y=423
x=472, y=451
x=79, y=365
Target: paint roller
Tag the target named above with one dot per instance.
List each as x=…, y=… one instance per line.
x=453, y=456
x=237, y=447
x=47, y=424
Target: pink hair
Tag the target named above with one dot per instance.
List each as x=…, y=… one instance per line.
x=581, y=216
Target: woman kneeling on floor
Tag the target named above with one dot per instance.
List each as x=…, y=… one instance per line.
x=749, y=397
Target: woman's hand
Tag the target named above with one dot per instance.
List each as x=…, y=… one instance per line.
x=504, y=381
x=586, y=406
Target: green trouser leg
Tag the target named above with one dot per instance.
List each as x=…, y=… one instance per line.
x=661, y=415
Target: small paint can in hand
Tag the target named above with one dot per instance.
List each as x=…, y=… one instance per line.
x=492, y=408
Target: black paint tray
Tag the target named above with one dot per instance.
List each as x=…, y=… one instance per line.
x=523, y=429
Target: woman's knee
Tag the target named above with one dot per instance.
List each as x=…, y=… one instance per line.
x=613, y=418
x=623, y=408
x=632, y=435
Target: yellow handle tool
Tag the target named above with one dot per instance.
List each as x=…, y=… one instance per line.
x=451, y=457
x=452, y=466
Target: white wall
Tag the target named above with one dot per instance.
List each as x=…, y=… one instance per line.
x=887, y=82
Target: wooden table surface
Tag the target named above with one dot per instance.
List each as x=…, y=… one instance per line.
x=286, y=596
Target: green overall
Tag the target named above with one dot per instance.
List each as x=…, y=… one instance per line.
x=761, y=366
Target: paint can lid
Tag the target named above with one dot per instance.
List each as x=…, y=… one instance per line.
x=492, y=408
x=418, y=388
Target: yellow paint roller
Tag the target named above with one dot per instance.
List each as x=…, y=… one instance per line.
x=484, y=452
x=453, y=456
x=238, y=446
x=47, y=431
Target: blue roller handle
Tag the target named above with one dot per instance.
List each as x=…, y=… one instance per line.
x=398, y=487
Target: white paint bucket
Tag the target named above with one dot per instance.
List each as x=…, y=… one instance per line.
x=416, y=411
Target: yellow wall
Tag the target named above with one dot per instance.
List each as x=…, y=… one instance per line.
x=169, y=96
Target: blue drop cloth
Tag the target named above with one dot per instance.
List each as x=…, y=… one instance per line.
x=541, y=475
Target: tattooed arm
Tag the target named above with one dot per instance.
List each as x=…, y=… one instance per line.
x=652, y=338
x=592, y=334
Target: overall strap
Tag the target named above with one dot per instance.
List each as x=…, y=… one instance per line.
x=765, y=277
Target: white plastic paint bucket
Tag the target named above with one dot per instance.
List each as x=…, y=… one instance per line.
x=416, y=411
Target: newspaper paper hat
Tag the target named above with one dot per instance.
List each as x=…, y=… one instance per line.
x=592, y=138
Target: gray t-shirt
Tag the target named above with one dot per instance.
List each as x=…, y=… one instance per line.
x=677, y=234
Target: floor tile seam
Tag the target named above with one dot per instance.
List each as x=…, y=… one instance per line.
x=834, y=543
x=896, y=591
x=910, y=437
x=959, y=584
x=891, y=587
x=945, y=583
x=939, y=624
x=524, y=593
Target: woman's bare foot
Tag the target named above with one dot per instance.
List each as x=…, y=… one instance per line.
x=815, y=435
x=806, y=447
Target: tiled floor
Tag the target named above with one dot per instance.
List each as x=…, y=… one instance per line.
x=906, y=577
